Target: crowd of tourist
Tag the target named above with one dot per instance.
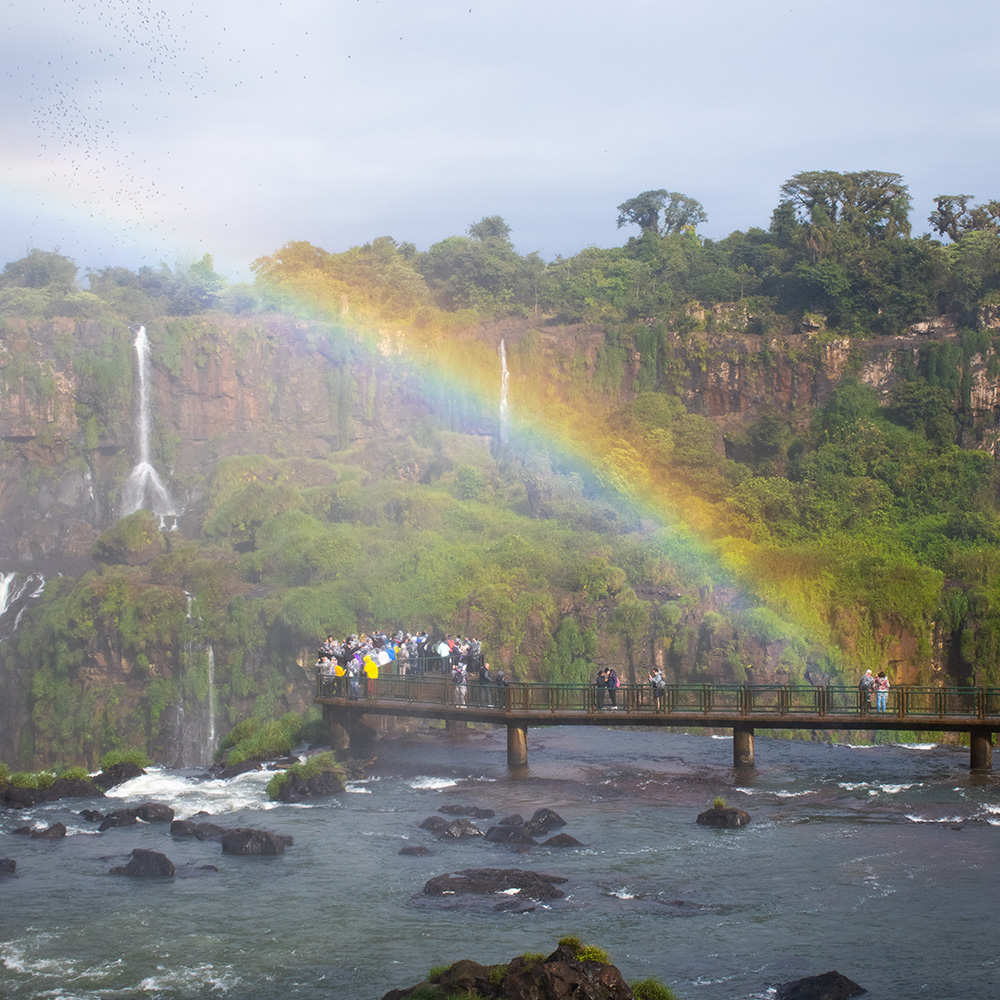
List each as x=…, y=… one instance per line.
x=359, y=659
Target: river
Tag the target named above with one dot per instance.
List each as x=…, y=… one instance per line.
x=880, y=862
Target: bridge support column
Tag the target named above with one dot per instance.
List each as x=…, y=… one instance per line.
x=742, y=745
x=980, y=749
x=338, y=726
x=517, y=745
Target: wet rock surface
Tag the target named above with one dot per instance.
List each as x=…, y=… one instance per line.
x=828, y=986
x=727, y=817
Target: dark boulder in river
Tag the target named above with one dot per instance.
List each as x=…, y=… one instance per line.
x=252, y=843
x=154, y=812
x=117, y=774
x=460, y=828
x=510, y=835
x=146, y=864
x=724, y=816
x=295, y=788
x=7, y=866
x=490, y=881
x=562, y=840
x=53, y=832
x=544, y=821
x=828, y=986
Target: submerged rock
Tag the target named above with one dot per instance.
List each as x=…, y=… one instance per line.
x=456, y=809
x=8, y=866
x=414, y=850
x=828, y=986
x=562, y=840
x=724, y=816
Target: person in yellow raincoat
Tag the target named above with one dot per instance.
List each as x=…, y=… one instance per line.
x=371, y=673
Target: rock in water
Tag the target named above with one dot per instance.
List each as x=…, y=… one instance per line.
x=7, y=866
x=561, y=976
x=828, y=986
x=258, y=843
x=489, y=881
x=295, y=788
x=724, y=816
x=49, y=833
x=146, y=864
x=117, y=774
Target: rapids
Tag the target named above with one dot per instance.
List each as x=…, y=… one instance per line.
x=879, y=862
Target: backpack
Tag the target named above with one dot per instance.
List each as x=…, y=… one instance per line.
x=456, y=675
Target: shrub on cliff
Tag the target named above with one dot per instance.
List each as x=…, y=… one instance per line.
x=113, y=757
x=255, y=739
x=132, y=541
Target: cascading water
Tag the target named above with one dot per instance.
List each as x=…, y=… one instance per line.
x=144, y=485
x=504, y=401
x=17, y=590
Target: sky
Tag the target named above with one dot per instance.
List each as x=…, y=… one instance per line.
x=137, y=132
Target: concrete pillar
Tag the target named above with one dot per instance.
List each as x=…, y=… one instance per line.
x=980, y=749
x=517, y=745
x=742, y=745
x=337, y=725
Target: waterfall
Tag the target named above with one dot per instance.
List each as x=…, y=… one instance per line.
x=17, y=590
x=144, y=484
x=504, y=402
x=211, y=703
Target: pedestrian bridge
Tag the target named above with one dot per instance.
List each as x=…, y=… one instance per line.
x=742, y=707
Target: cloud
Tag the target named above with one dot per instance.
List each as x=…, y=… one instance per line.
x=148, y=129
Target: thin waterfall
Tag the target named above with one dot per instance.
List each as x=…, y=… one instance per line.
x=211, y=704
x=17, y=590
x=504, y=401
x=144, y=486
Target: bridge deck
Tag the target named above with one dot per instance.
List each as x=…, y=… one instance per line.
x=920, y=709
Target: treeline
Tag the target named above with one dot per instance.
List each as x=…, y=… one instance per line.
x=837, y=244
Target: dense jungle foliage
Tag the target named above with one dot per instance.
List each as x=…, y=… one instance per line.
x=829, y=528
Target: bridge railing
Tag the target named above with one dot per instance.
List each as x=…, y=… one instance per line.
x=775, y=700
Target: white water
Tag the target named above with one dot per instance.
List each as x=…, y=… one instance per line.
x=16, y=590
x=504, y=399
x=144, y=488
x=211, y=702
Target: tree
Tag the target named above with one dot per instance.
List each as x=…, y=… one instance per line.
x=953, y=216
x=490, y=227
x=678, y=210
x=873, y=203
x=40, y=269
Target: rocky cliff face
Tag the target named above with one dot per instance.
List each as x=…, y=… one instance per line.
x=223, y=386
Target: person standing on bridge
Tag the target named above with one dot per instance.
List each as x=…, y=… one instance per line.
x=613, y=684
x=865, y=688
x=459, y=680
x=602, y=687
x=659, y=685
x=881, y=690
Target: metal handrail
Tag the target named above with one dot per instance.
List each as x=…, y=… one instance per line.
x=777, y=700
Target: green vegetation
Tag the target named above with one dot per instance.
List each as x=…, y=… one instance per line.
x=651, y=988
x=316, y=764
x=718, y=802
x=112, y=757
x=847, y=526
